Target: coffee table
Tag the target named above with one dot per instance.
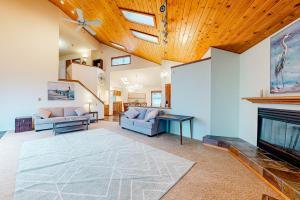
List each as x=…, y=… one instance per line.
x=70, y=126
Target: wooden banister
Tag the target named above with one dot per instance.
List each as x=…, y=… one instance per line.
x=84, y=86
x=183, y=64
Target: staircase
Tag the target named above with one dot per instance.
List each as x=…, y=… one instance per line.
x=84, y=86
x=100, y=103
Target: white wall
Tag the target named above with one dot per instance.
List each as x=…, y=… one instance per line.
x=29, y=58
x=191, y=96
x=224, y=93
x=254, y=76
x=87, y=75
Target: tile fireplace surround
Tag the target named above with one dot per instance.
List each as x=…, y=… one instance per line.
x=279, y=173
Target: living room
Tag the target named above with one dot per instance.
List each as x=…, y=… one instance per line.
x=229, y=130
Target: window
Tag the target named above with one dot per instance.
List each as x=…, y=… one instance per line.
x=122, y=60
x=138, y=17
x=145, y=36
x=156, y=98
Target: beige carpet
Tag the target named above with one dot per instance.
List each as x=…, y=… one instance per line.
x=216, y=175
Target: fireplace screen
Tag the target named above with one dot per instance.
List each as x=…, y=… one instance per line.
x=282, y=135
x=279, y=133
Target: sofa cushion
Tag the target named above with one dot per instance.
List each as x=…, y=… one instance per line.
x=56, y=111
x=43, y=113
x=131, y=113
x=70, y=118
x=142, y=113
x=59, y=119
x=70, y=111
x=151, y=115
x=49, y=120
x=125, y=120
x=142, y=123
x=80, y=111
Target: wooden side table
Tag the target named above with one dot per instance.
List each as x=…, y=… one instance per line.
x=178, y=118
x=23, y=124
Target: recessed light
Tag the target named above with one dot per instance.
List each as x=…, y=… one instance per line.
x=118, y=45
x=139, y=17
x=62, y=2
x=145, y=36
x=73, y=12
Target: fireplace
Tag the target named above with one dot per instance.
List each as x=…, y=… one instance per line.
x=279, y=133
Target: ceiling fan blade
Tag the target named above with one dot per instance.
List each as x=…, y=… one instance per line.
x=90, y=30
x=79, y=14
x=70, y=20
x=95, y=22
x=78, y=28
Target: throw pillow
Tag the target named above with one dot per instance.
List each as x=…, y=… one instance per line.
x=142, y=113
x=81, y=111
x=131, y=113
x=151, y=115
x=45, y=114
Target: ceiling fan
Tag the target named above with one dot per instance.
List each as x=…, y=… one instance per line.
x=83, y=23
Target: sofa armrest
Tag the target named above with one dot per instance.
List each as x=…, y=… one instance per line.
x=86, y=114
x=35, y=116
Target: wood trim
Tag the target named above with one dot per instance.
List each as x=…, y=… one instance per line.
x=78, y=59
x=120, y=57
x=112, y=43
x=293, y=100
x=139, y=12
x=86, y=65
x=84, y=86
x=188, y=63
x=108, y=44
x=146, y=34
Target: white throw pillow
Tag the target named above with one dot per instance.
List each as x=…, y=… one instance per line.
x=151, y=115
x=81, y=111
x=131, y=113
x=45, y=114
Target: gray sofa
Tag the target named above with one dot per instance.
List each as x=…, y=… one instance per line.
x=58, y=114
x=139, y=124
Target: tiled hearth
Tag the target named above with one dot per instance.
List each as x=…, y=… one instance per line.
x=282, y=175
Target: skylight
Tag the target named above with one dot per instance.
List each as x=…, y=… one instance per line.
x=138, y=17
x=145, y=36
x=118, y=46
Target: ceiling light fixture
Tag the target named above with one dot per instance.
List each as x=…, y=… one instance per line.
x=118, y=45
x=145, y=36
x=138, y=17
x=62, y=2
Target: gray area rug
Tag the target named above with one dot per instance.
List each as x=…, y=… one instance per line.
x=95, y=165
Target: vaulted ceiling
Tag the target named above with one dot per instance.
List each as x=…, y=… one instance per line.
x=193, y=25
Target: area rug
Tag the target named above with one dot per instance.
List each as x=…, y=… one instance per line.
x=95, y=165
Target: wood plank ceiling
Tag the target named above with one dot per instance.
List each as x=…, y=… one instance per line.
x=193, y=25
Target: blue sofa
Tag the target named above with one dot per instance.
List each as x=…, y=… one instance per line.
x=139, y=124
